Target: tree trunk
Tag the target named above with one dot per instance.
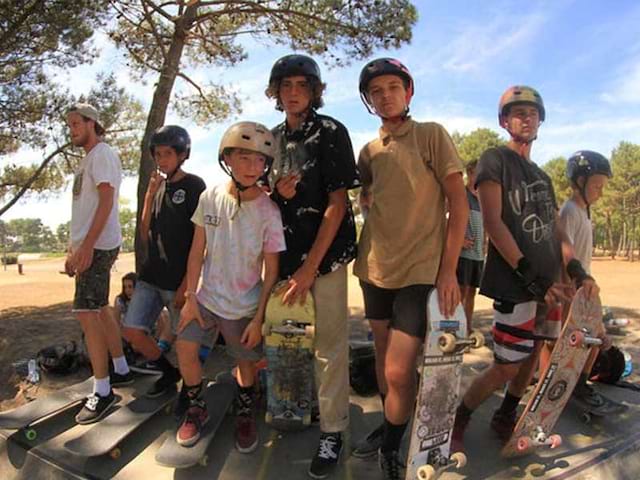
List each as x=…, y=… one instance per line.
x=612, y=251
x=157, y=114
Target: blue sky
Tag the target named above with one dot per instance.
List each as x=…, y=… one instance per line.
x=583, y=57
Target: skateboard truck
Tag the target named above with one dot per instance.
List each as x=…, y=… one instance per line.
x=439, y=464
x=289, y=328
x=537, y=439
x=581, y=338
x=449, y=343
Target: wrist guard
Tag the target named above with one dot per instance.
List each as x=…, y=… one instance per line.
x=576, y=272
x=527, y=278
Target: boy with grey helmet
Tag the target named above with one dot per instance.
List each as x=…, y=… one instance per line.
x=238, y=234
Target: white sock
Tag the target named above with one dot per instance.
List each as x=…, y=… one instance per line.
x=120, y=365
x=101, y=386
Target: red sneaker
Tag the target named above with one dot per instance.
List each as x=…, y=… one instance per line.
x=191, y=428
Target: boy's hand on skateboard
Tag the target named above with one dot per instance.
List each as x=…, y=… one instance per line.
x=286, y=186
x=190, y=312
x=448, y=293
x=559, y=293
x=252, y=334
x=299, y=284
x=591, y=288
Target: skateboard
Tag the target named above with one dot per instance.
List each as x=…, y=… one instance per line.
x=106, y=435
x=587, y=411
x=555, y=386
x=25, y=417
x=438, y=392
x=288, y=343
x=218, y=397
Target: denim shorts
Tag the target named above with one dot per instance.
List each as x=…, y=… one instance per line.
x=145, y=307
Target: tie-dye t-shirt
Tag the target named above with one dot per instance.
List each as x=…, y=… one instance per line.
x=237, y=236
x=320, y=151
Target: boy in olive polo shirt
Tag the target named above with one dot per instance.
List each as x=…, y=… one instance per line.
x=407, y=245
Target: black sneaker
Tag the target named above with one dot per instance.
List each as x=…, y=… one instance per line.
x=390, y=465
x=147, y=366
x=327, y=456
x=167, y=381
x=369, y=445
x=118, y=380
x=95, y=407
x=503, y=424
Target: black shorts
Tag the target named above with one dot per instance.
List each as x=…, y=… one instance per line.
x=469, y=272
x=405, y=308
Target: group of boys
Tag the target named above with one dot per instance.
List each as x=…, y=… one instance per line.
x=214, y=254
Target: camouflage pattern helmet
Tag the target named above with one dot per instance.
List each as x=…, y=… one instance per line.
x=585, y=163
x=171, y=136
x=518, y=95
x=293, y=65
x=251, y=136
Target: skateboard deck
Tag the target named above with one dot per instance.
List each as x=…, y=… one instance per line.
x=106, y=435
x=555, y=386
x=587, y=411
x=24, y=417
x=288, y=343
x=438, y=392
x=218, y=397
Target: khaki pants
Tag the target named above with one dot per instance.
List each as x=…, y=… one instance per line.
x=332, y=350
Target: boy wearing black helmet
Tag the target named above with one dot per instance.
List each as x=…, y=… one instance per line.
x=407, y=246
x=588, y=173
x=166, y=229
x=527, y=251
x=312, y=172
x=238, y=235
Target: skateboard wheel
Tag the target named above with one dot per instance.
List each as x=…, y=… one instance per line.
x=30, y=434
x=459, y=458
x=115, y=453
x=426, y=472
x=447, y=342
x=576, y=338
x=555, y=441
x=204, y=460
x=310, y=331
x=523, y=443
x=477, y=338
x=268, y=418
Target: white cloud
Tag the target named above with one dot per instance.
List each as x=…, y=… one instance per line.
x=626, y=87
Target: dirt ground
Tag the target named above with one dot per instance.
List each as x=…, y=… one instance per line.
x=35, y=312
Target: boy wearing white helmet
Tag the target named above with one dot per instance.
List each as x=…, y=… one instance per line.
x=240, y=229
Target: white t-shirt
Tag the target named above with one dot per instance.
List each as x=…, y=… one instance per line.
x=236, y=240
x=579, y=229
x=100, y=165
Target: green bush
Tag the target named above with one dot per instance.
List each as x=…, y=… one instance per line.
x=10, y=260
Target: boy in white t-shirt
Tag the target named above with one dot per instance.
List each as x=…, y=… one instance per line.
x=588, y=173
x=240, y=229
x=95, y=241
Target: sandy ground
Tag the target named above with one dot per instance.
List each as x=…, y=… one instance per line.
x=35, y=312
